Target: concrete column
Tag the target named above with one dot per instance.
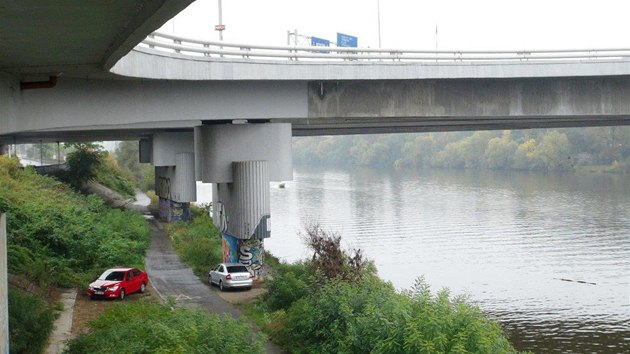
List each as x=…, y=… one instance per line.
x=245, y=209
x=4, y=288
x=240, y=160
x=174, y=160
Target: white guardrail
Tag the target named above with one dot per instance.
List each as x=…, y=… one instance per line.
x=194, y=47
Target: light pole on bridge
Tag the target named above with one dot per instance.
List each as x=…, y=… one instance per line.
x=378, y=12
x=220, y=27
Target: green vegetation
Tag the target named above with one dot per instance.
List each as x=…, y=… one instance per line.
x=145, y=327
x=88, y=162
x=324, y=306
x=371, y=317
x=109, y=174
x=30, y=322
x=546, y=150
x=198, y=242
x=58, y=237
x=142, y=174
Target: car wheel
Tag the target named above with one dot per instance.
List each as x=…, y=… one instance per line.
x=122, y=294
x=221, y=285
x=143, y=287
x=209, y=280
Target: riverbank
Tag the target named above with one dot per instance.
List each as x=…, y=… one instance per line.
x=502, y=238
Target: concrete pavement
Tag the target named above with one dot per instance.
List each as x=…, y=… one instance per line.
x=170, y=277
x=63, y=325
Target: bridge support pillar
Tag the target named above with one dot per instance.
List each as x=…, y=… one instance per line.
x=175, y=185
x=240, y=160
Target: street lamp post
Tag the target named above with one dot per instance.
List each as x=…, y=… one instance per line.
x=378, y=11
x=220, y=27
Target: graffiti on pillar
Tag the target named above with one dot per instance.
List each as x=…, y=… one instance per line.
x=174, y=211
x=164, y=208
x=163, y=187
x=223, y=219
x=251, y=254
x=230, y=248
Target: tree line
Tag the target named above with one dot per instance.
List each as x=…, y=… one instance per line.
x=536, y=149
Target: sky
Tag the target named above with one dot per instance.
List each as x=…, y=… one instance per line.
x=409, y=24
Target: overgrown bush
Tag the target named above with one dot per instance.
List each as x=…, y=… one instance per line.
x=83, y=163
x=153, y=328
x=198, y=243
x=109, y=174
x=290, y=282
x=371, y=317
x=30, y=322
x=127, y=156
x=330, y=261
x=335, y=303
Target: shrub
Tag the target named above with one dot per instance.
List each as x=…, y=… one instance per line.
x=153, y=328
x=290, y=282
x=30, y=322
x=371, y=317
x=83, y=163
x=198, y=243
x=109, y=174
x=330, y=261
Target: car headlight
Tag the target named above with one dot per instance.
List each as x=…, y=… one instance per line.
x=113, y=288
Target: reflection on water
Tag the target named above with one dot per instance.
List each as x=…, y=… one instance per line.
x=547, y=255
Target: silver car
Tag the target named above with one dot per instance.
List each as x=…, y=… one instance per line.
x=230, y=275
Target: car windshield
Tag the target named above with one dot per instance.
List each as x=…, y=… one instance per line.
x=115, y=275
x=237, y=269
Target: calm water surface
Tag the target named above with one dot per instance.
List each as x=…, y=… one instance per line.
x=547, y=255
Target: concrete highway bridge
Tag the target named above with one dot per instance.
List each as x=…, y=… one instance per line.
x=225, y=113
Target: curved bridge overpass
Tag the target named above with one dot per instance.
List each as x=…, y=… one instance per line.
x=172, y=83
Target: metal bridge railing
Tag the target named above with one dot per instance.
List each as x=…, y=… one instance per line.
x=194, y=47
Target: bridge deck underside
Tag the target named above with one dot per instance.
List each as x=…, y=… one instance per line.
x=349, y=126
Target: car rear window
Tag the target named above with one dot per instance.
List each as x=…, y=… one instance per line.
x=237, y=269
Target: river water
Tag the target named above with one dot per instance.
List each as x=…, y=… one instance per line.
x=546, y=255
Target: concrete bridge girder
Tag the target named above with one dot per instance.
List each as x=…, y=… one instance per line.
x=313, y=108
x=471, y=98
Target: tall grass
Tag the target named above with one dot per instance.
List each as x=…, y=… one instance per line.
x=198, y=243
x=145, y=327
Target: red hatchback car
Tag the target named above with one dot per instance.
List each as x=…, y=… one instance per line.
x=116, y=283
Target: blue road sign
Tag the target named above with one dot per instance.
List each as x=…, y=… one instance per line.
x=319, y=42
x=345, y=40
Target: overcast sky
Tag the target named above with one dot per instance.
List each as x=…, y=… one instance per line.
x=409, y=24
